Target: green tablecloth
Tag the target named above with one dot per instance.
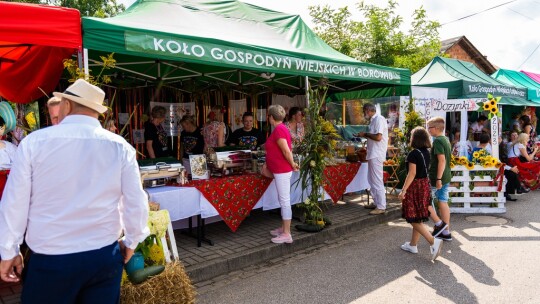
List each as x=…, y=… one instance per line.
x=347, y=131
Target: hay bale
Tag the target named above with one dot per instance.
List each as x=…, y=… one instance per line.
x=171, y=286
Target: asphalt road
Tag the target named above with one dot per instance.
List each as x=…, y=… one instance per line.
x=493, y=259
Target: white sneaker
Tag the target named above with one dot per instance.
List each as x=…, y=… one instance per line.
x=407, y=247
x=436, y=248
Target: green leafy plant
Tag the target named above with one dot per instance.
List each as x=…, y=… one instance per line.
x=412, y=120
x=107, y=62
x=377, y=36
x=318, y=146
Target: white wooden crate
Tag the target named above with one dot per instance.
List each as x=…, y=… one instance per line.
x=480, y=199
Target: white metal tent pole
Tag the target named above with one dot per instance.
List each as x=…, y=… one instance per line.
x=85, y=57
x=464, y=128
x=307, y=91
x=79, y=58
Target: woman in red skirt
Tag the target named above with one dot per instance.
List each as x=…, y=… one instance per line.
x=529, y=169
x=416, y=193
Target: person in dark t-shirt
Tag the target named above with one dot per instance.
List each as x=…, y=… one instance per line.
x=247, y=136
x=155, y=136
x=191, y=139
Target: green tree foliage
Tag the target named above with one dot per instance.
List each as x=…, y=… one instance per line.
x=378, y=38
x=93, y=8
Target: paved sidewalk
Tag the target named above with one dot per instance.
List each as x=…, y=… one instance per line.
x=250, y=244
x=9, y=293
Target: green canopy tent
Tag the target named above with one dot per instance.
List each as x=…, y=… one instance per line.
x=516, y=78
x=519, y=79
x=239, y=44
x=465, y=80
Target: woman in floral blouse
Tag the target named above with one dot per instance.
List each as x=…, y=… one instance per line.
x=295, y=125
x=214, y=130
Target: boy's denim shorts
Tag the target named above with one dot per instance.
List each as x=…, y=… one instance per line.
x=441, y=195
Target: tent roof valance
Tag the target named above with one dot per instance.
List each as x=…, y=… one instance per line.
x=223, y=39
x=519, y=79
x=533, y=76
x=34, y=39
x=465, y=80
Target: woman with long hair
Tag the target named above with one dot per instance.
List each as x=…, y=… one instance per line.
x=529, y=170
x=280, y=162
x=528, y=129
x=295, y=125
x=416, y=193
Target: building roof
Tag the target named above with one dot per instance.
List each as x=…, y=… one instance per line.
x=478, y=59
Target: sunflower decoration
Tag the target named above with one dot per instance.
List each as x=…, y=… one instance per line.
x=484, y=159
x=453, y=162
x=469, y=165
x=31, y=120
x=490, y=105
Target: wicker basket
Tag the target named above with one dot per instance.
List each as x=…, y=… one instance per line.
x=362, y=154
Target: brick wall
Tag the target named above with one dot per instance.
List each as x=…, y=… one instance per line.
x=457, y=52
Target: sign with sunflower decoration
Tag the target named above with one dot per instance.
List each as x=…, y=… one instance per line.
x=491, y=106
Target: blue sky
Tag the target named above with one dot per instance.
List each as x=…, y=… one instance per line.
x=507, y=35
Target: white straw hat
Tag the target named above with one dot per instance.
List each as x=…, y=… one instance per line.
x=85, y=94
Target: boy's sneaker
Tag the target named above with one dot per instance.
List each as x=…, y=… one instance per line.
x=407, y=247
x=445, y=237
x=436, y=248
x=282, y=238
x=437, y=230
x=276, y=231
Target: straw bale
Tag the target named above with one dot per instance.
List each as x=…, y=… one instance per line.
x=173, y=285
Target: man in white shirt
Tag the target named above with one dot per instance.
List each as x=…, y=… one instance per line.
x=377, y=144
x=74, y=188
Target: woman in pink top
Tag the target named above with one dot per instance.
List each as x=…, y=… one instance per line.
x=280, y=162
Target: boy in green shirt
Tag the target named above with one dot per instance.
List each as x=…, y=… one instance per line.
x=440, y=176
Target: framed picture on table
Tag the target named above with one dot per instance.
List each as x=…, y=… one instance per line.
x=199, y=168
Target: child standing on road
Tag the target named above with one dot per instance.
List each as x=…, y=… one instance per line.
x=440, y=176
x=415, y=196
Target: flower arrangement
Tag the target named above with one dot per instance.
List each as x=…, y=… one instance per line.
x=316, y=150
x=480, y=157
x=491, y=106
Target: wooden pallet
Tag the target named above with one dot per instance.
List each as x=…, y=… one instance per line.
x=470, y=193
